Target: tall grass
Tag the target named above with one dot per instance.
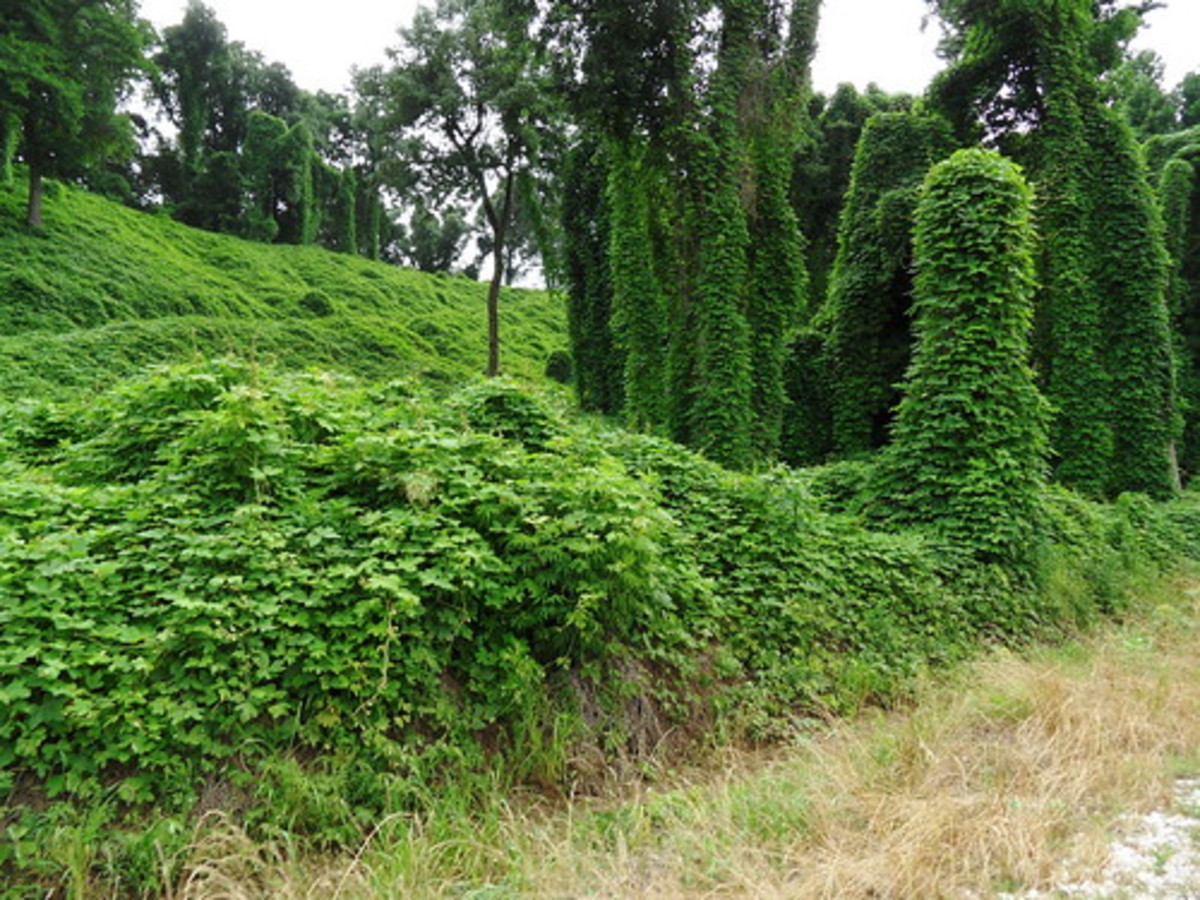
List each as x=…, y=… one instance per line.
x=997, y=773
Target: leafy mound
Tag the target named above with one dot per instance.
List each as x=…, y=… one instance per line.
x=218, y=562
x=104, y=291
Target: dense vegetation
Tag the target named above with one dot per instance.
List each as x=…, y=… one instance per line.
x=269, y=547
x=269, y=570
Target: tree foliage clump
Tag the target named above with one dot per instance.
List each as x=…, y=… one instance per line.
x=1024, y=72
x=871, y=285
x=252, y=154
x=699, y=121
x=969, y=452
x=63, y=68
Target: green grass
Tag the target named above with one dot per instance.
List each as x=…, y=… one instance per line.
x=103, y=291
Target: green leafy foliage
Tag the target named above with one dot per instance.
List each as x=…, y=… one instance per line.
x=815, y=611
x=216, y=563
x=298, y=559
x=1026, y=72
x=314, y=603
x=968, y=456
x=871, y=286
x=105, y=291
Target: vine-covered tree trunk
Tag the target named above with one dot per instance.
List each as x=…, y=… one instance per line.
x=599, y=366
x=345, y=213
x=10, y=135
x=33, y=210
x=871, y=284
x=773, y=113
x=1131, y=268
x=639, y=312
x=969, y=455
x=720, y=415
x=1073, y=371
x=1176, y=192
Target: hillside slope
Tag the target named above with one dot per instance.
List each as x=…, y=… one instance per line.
x=104, y=291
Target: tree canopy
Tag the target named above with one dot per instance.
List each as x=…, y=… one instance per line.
x=64, y=64
x=467, y=111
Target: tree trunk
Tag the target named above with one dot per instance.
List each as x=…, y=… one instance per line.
x=493, y=311
x=34, y=216
x=499, y=220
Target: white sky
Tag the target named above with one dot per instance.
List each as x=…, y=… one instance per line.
x=859, y=40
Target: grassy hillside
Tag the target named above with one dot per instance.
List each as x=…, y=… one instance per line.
x=104, y=291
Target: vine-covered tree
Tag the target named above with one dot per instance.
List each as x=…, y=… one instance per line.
x=698, y=106
x=1025, y=72
x=639, y=309
x=64, y=65
x=468, y=110
x=599, y=366
x=1180, y=202
x=968, y=458
x=871, y=286
x=822, y=174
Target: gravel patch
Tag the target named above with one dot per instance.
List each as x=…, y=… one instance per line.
x=1155, y=857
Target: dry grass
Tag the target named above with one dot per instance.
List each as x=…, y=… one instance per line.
x=988, y=782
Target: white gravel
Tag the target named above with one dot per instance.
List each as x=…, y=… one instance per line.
x=1155, y=857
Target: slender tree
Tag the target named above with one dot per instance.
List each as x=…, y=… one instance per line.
x=467, y=110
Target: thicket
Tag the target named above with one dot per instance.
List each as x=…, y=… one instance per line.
x=217, y=574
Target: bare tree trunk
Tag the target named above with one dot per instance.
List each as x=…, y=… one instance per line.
x=493, y=311
x=34, y=214
x=499, y=220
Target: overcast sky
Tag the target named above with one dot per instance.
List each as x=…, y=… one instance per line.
x=859, y=41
